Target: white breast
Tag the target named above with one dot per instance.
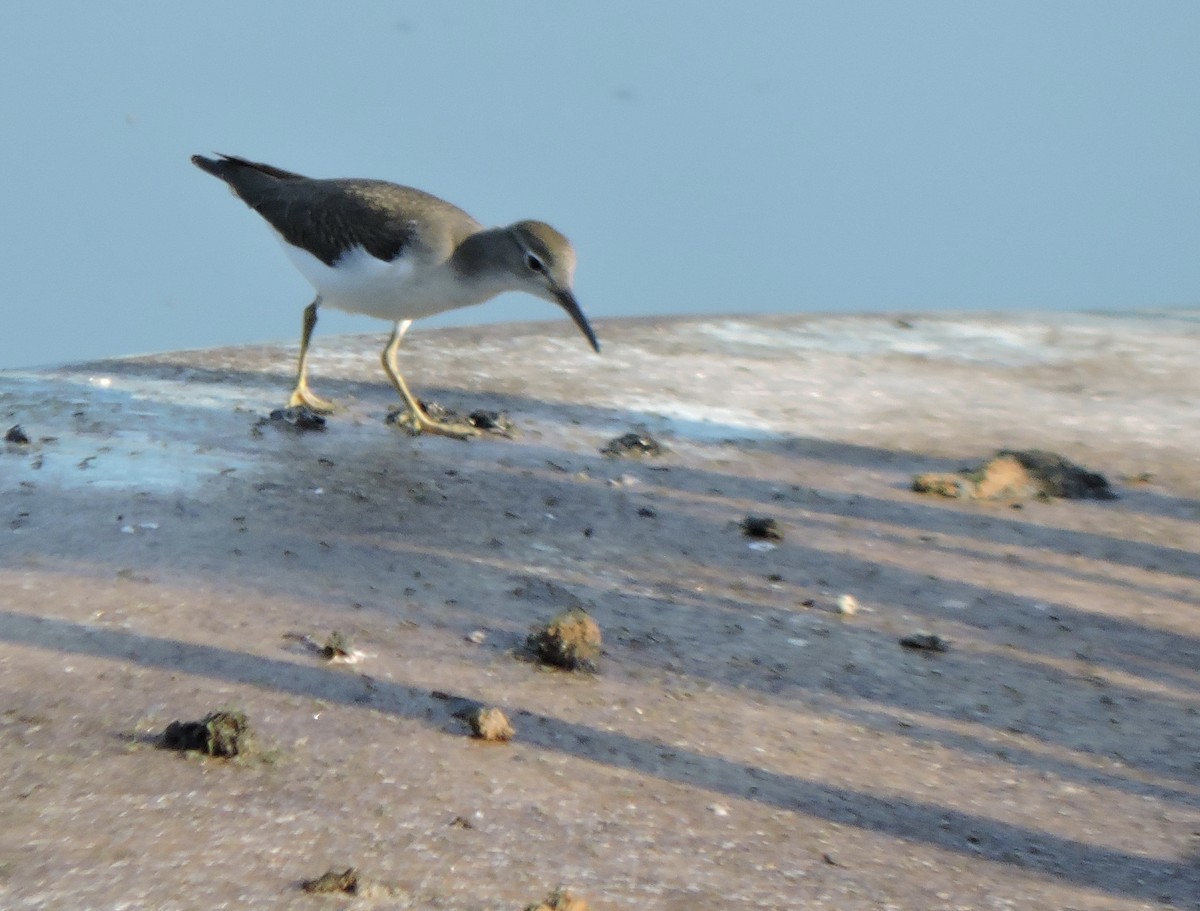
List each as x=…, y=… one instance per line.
x=396, y=290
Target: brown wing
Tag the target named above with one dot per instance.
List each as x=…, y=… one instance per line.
x=328, y=217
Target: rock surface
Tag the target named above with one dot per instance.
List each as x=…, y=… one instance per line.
x=745, y=745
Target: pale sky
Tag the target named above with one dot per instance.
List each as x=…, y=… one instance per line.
x=704, y=158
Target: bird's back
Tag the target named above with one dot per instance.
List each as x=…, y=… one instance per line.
x=330, y=217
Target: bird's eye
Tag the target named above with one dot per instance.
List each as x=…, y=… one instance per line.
x=534, y=264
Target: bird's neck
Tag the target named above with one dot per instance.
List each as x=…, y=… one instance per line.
x=482, y=259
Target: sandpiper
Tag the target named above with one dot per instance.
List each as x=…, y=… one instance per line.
x=377, y=248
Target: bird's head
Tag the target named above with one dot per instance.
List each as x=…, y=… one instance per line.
x=546, y=267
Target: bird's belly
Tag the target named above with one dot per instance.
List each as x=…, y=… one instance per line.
x=393, y=290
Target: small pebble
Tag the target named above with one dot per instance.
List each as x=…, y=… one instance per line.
x=345, y=882
x=336, y=648
x=223, y=734
x=299, y=418
x=761, y=527
x=848, y=605
x=632, y=444
x=490, y=724
x=490, y=420
x=928, y=642
x=570, y=640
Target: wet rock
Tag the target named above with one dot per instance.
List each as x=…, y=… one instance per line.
x=300, y=419
x=1060, y=477
x=762, y=528
x=496, y=422
x=1018, y=475
x=632, y=444
x=923, y=641
x=16, y=435
x=570, y=640
x=559, y=900
x=223, y=734
x=489, y=723
x=345, y=883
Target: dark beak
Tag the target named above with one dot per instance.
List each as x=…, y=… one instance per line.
x=567, y=301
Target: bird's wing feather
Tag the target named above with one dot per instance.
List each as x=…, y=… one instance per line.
x=330, y=217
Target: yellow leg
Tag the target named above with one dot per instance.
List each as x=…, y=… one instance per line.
x=302, y=395
x=417, y=420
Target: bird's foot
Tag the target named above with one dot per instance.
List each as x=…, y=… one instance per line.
x=419, y=422
x=303, y=396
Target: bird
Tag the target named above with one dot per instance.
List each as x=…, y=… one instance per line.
x=399, y=254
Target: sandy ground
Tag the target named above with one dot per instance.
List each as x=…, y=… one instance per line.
x=744, y=745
